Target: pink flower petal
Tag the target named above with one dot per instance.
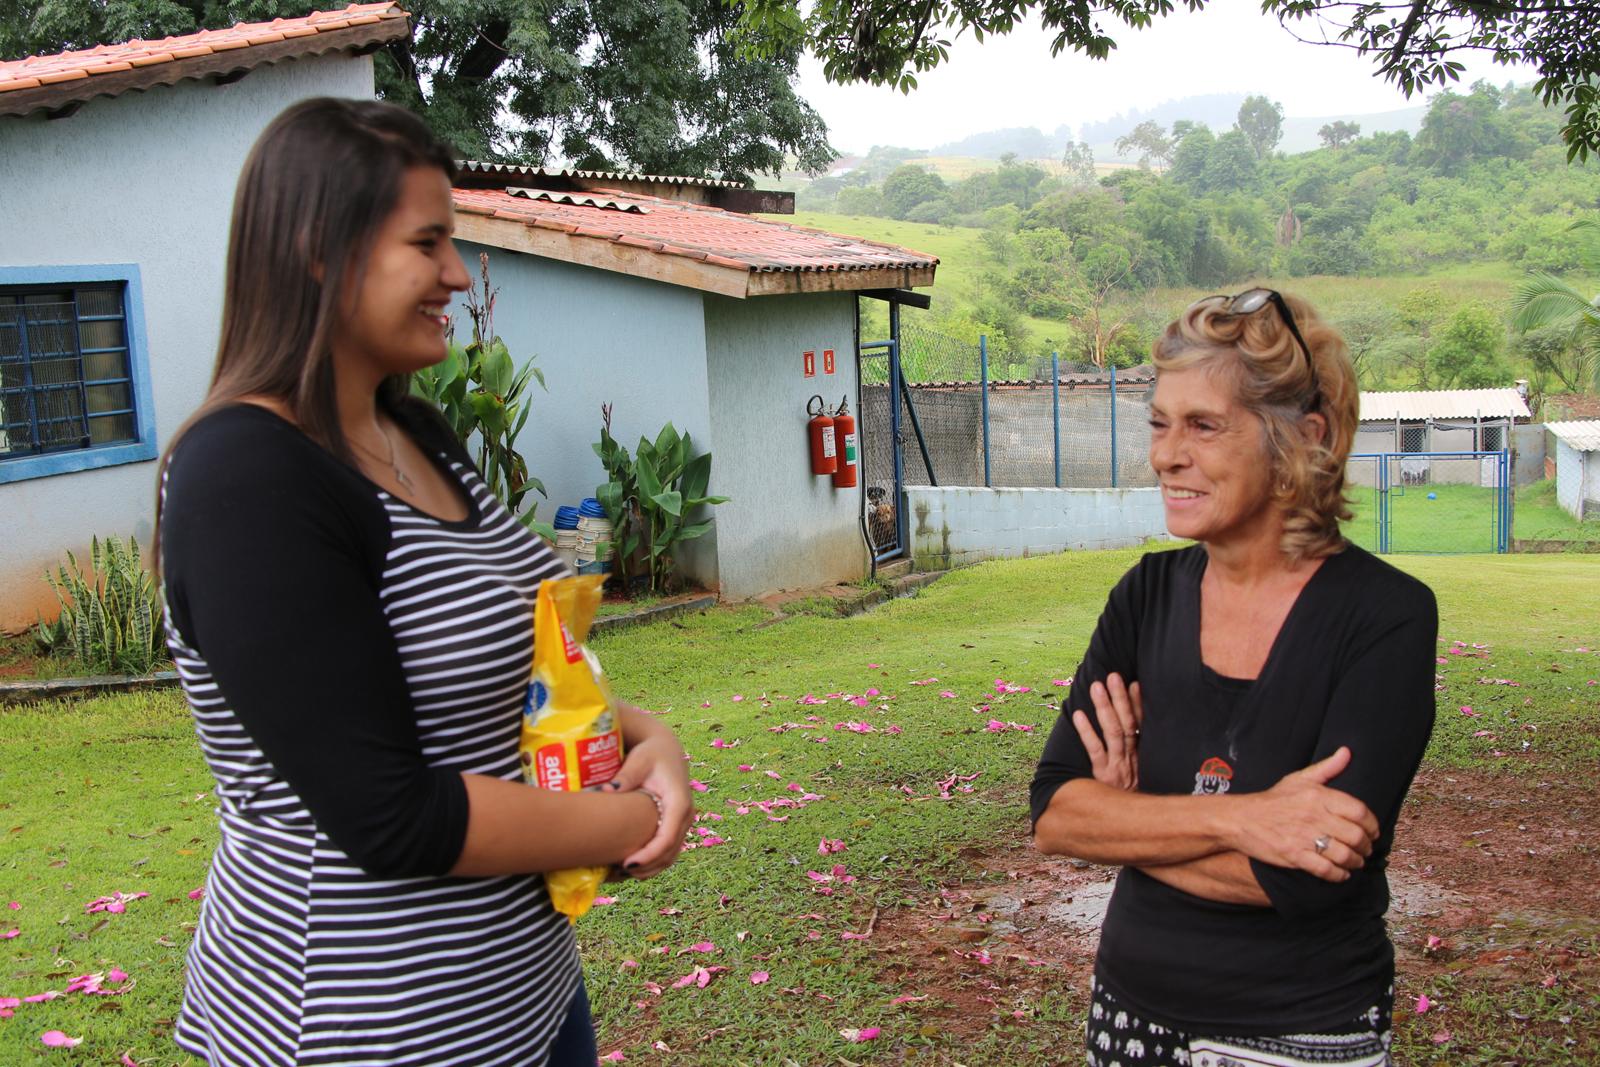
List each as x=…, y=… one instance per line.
x=40, y=998
x=873, y=666
x=698, y=786
x=116, y=976
x=850, y=935
x=9, y=934
x=601, y=902
x=1442, y=1037
x=746, y=767
x=614, y=1056
x=699, y=946
x=1466, y=709
x=127, y=1060
x=56, y=1039
x=629, y=965
x=738, y=698
x=1423, y=1004
x=759, y=977
x=10, y=1002
x=774, y=775
x=947, y=693
x=196, y=894
x=909, y=999
x=14, y=905
x=856, y=1037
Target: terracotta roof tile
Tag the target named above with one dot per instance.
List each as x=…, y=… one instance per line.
x=711, y=235
x=35, y=71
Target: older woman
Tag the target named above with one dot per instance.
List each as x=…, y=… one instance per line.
x=1247, y=719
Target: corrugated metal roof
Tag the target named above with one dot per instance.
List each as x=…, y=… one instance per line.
x=512, y=170
x=1412, y=404
x=579, y=200
x=1584, y=435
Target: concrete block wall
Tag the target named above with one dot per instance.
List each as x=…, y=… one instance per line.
x=958, y=525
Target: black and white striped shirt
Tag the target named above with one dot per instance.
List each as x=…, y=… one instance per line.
x=347, y=658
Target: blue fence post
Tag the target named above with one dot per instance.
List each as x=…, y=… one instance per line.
x=1055, y=409
x=983, y=374
x=1113, y=425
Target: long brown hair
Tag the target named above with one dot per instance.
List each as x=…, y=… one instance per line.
x=315, y=189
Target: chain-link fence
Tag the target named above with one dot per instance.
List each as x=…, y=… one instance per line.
x=1065, y=424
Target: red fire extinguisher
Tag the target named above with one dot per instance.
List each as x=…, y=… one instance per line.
x=824, y=456
x=844, y=425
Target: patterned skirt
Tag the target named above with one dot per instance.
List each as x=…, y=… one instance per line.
x=1116, y=1037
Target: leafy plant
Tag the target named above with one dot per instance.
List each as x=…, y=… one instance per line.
x=648, y=497
x=1544, y=301
x=112, y=623
x=484, y=398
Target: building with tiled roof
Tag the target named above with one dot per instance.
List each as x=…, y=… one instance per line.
x=677, y=299
x=671, y=300
x=117, y=169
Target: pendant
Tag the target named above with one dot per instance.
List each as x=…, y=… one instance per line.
x=405, y=481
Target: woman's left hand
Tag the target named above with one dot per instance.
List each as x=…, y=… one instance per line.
x=1119, y=709
x=658, y=763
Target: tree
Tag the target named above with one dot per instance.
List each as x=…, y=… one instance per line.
x=1544, y=301
x=1338, y=134
x=1147, y=142
x=1459, y=131
x=1261, y=121
x=1078, y=159
x=663, y=86
x=1414, y=42
x=909, y=186
x=1467, y=353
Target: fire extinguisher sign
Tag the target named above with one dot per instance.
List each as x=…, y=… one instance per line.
x=827, y=361
x=809, y=362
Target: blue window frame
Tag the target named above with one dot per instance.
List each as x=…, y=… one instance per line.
x=74, y=373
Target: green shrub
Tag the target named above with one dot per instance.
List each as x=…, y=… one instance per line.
x=112, y=623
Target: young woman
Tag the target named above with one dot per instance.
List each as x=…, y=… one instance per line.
x=350, y=610
x=1246, y=721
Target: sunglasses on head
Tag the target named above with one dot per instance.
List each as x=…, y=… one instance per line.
x=1253, y=300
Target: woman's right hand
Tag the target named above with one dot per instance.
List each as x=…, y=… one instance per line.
x=1119, y=710
x=1284, y=825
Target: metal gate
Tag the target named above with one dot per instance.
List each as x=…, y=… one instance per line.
x=1433, y=502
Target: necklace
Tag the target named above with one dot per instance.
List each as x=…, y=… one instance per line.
x=392, y=461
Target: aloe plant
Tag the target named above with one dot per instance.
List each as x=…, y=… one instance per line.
x=110, y=622
x=649, y=497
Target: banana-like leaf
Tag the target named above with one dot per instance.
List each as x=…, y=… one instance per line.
x=694, y=529
x=696, y=476
x=649, y=479
x=670, y=501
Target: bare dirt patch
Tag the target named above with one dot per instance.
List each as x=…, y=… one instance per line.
x=1500, y=873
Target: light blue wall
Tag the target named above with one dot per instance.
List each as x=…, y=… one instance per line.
x=784, y=527
x=599, y=337
x=144, y=178
x=951, y=527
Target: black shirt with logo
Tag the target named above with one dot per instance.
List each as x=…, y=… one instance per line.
x=1352, y=665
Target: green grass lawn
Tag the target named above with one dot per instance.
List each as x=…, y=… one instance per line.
x=110, y=795
x=1460, y=518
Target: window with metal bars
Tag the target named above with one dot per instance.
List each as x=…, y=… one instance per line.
x=66, y=381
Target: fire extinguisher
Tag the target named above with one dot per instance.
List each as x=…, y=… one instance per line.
x=824, y=456
x=844, y=425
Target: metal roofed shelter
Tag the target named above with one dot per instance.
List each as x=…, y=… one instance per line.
x=1577, y=457
x=1440, y=420
x=666, y=298
x=111, y=264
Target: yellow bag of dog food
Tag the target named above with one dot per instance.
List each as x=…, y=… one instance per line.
x=570, y=736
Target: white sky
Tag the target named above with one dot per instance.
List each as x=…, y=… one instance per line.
x=1229, y=47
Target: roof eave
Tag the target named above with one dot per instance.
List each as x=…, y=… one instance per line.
x=582, y=250
x=779, y=283
x=514, y=235
x=63, y=98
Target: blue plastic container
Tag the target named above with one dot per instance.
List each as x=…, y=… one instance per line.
x=591, y=509
x=566, y=518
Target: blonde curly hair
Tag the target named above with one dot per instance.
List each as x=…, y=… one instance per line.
x=1256, y=355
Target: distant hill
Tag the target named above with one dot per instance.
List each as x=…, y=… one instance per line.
x=1300, y=135
x=1217, y=110
x=1023, y=142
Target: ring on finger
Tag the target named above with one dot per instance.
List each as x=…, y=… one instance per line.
x=1321, y=844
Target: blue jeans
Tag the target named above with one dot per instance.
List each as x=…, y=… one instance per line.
x=574, y=1045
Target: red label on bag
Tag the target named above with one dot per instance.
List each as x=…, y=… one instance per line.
x=599, y=758
x=550, y=765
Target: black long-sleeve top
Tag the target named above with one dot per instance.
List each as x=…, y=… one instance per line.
x=1352, y=665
